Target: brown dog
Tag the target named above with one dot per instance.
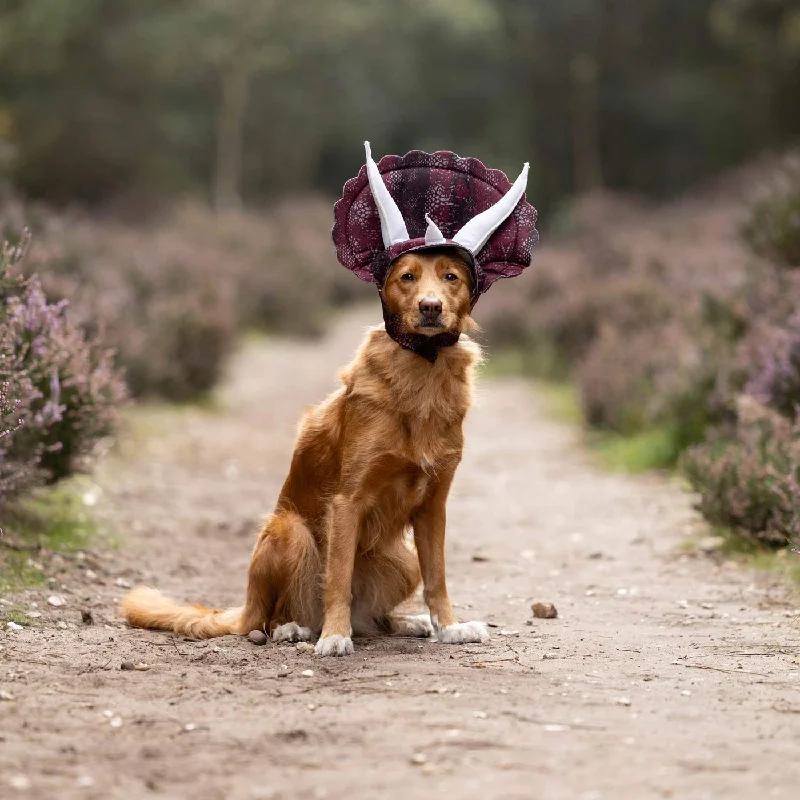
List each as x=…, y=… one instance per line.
x=375, y=458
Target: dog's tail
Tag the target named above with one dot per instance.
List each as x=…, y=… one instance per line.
x=145, y=607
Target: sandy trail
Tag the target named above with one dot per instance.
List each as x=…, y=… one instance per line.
x=664, y=675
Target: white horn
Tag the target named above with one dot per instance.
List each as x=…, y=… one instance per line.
x=477, y=231
x=432, y=233
x=393, y=226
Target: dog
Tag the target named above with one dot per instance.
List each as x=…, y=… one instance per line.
x=372, y=461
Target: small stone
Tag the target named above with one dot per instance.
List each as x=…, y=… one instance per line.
x=122, y=583
x=62, y=625
x=35, y=614
x=142, y=667
x=6, y=695
x=623, y=701
x=56, y=600
x=304, y=647
x=190, y=726
x=307, y=673
x=127, y=666
x=504, y=632
x=284, y=671
x=418, y=759
x=595, y=556
x=480, y=715
x=85, y=781
x=549, y=656
x=686, y=693
x=87, y=618
x=479, y=557
x=19, y=782
x=544, y=611
x=257, y=637
x=90, y=575
x=115, y=722
x=13, y=626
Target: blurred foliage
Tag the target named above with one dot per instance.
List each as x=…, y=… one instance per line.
x=59, y=390
x=118, y=100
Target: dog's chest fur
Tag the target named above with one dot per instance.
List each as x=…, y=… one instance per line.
x=421, y=405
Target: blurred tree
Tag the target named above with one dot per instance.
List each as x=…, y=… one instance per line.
x=248, y=100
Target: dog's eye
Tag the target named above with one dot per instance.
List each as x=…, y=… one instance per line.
x=451, y=277
x=407, y=276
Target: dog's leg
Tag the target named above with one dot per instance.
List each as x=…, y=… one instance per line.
x=283, y=576
x=429, y=534
x=342, y=540
x=382, y=580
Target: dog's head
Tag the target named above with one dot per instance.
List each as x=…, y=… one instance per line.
x=430, y=291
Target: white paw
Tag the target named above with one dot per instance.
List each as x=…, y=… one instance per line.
x=416, y=625
x=464, y=632
x=336, y=645
x=292, y=632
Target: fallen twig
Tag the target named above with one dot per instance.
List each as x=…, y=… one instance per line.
x=720, y=669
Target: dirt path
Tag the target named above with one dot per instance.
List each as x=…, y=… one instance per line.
x=664, y=675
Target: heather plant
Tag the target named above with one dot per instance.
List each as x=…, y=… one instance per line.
x=773, y=229
x=775, y=375
x=173, y=293
x=60, y=391
x=751, y=484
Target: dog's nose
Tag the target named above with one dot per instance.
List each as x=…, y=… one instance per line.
x=430, y=306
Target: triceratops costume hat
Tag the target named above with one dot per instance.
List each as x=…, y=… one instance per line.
x=421, y=201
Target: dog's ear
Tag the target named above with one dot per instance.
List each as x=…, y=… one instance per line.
x=469, y=324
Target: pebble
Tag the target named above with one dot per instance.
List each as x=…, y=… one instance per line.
x=307, y=673
x=419, y=758
x=122, y=583
x=128, y=666
x=6, y=695
x=304, y=647
x=142, y=667
x=20, y=782
x=544, y=610
x=34, y=614
x=87, y=618
x=623, y=701
x=257, y=637
x=14, y=626
x=56, y=600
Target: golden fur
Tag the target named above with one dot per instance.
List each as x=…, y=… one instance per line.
x=375, y=458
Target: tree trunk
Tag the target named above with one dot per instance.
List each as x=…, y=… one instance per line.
x=230, y=129
x=587, y=165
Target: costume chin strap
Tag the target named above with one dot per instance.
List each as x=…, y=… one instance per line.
x=426, y=346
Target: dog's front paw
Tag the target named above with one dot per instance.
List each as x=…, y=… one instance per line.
x=464, y=633
x=336, y=645
x=292, y=632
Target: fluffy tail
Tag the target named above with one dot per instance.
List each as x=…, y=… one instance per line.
x=148, y=608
